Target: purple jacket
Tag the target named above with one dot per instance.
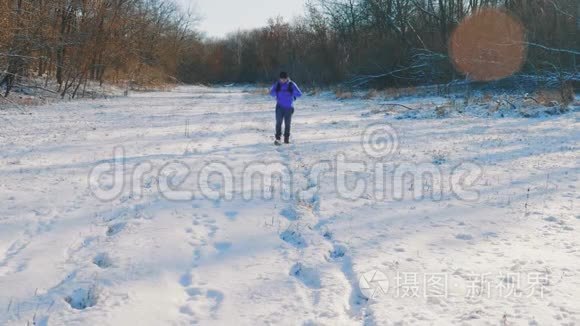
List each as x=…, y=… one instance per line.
x=284, y=96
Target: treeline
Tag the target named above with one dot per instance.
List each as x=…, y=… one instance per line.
x=74, y=41
x=354, y=42
x=382, y=43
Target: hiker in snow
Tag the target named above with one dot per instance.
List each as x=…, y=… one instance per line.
x=286, y=92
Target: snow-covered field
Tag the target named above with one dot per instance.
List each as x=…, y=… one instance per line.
x=468, y=219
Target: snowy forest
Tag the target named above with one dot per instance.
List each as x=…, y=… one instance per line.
x=378, y=43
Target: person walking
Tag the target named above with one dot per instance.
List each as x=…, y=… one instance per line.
x=286, y=92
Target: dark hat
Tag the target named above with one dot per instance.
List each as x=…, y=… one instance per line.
x=283, y=75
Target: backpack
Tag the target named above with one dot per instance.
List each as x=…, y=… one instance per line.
x=290, y=87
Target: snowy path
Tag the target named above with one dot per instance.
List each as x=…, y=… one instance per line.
x=510, y=256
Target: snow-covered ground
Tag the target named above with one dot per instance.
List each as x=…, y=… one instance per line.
x=467, y=219
x=37, y=91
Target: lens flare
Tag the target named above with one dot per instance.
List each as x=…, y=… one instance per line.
x=488, y=45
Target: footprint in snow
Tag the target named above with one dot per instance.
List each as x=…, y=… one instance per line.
x=194, y=292
x=216, y=297
x=115, y=229
x=185, y=279
x=490, y=234
x=223, y=247
x=82, y=299
x=103, y=260
x=294, y=238
x=465, y=237
x=337, y=252
x=308, y=276
x=551, y=219
x=290, y=213
x=232, y=215
x=327, y=235
x=186, y=310
x=212, y=230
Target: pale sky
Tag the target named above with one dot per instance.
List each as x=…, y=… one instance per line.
x=220, y=17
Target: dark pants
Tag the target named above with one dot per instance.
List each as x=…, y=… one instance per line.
x=283, y=115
